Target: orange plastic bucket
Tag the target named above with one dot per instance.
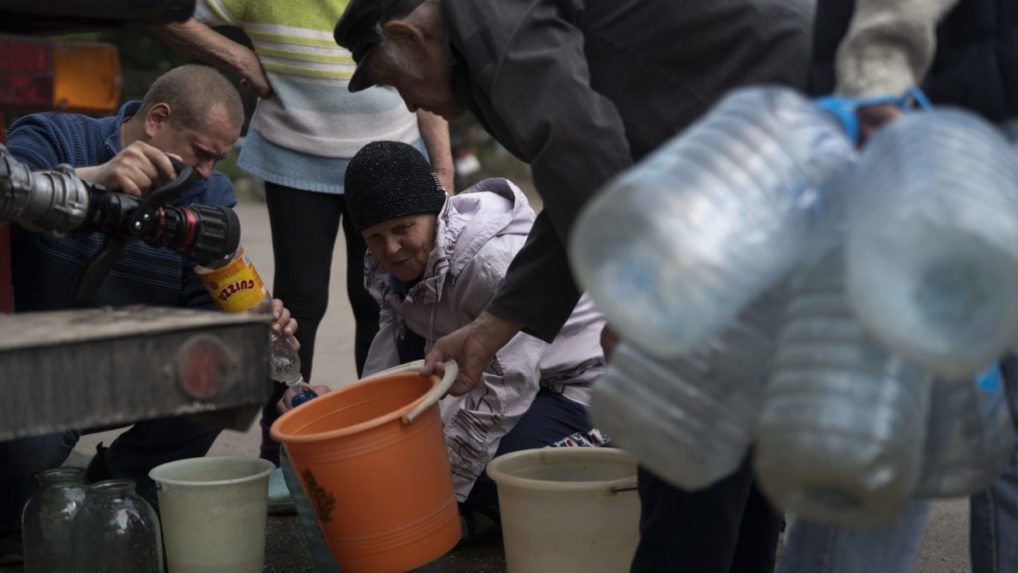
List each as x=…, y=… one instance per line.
x=371, y=457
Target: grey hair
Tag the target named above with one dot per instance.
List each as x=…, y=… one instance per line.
x=394, y=56
x=191, y=91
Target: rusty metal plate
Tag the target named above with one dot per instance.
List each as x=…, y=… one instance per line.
x=99, y=367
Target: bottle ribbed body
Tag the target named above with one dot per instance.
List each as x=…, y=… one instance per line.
x=691, y=419
x=932, y=241
x=969, y=437
x=843, y=421
x=675, y=248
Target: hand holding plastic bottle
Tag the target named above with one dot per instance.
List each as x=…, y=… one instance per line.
x=283, y=323
x=285, y=403
x=873, y=117
x=235, y=286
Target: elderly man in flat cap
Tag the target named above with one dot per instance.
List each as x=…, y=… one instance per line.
x=580, y=89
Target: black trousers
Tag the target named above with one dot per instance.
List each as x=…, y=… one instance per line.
x=551, y=417
x=726, y=528
x=304, y=228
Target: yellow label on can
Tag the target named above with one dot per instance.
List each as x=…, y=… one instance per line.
x=235, y=287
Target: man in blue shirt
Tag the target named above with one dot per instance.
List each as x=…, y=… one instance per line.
x=192, y=112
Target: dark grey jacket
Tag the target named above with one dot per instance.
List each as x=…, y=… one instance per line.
x=580, y=89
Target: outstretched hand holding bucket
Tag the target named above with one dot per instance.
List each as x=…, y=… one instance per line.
x=448, y=379
x=372, y=459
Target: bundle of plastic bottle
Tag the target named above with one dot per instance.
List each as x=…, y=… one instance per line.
x=969, y=437
x=933, y=241
x=691, y=419
x=676, y=247
x=841, y=432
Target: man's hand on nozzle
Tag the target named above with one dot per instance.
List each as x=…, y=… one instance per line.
x=137, y=169
x=874, y=117
x=473, y=347
x=283, y=324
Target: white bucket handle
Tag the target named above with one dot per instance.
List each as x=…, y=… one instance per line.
x=629, y=484
x=436, y=393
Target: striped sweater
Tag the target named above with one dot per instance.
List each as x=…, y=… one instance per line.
x=311, y=111
x=46, y=270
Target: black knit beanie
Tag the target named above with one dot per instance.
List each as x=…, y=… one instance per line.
x=389, y=179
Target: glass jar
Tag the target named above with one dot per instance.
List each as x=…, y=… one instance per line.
x=47, y=521
x=117, y=531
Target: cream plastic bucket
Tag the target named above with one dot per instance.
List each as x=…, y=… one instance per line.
x=213, y=513
x=568, y=510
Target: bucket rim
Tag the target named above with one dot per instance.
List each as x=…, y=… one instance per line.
x=267, y=468
x=500, y=476
x=285, y=438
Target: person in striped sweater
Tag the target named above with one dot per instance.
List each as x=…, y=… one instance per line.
x=304, y=131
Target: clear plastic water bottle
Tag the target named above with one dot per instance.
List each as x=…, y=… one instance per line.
x=841, y=432
x=284, y=366
x=933, y=241
x=969, y=437
x=235, y=285
x=673, y=249
x=691, y=419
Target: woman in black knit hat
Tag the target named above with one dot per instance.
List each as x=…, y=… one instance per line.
x=434, y=263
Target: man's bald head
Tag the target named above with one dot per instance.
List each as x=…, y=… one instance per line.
x=191, y=91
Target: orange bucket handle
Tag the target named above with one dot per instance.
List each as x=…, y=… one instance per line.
x=414, y=366
x=436, y=393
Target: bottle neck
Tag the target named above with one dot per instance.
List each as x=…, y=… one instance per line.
x=60, y=477
x=112, y=488
x=235, y=285
x=219, y=263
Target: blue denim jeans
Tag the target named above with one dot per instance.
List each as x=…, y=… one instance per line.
x=993, y=527
x=993, y=514
x=812, y=547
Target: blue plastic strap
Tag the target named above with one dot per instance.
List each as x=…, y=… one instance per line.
x=844, y=110
x=990, y=385
x=990, y=381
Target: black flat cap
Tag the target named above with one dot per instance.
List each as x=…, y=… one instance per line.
x=356, y=30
